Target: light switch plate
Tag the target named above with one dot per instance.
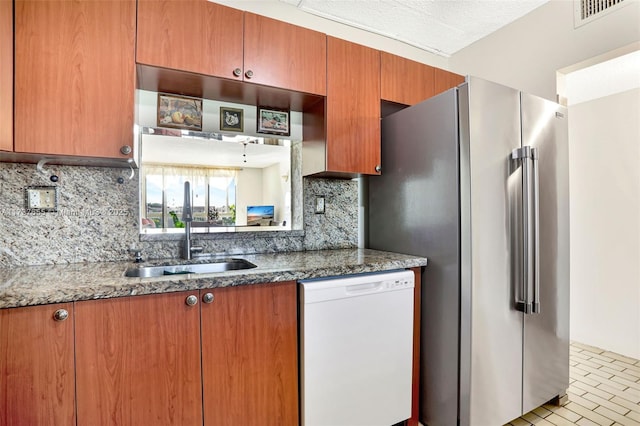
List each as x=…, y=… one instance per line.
x=319, y=205
x=41, y=198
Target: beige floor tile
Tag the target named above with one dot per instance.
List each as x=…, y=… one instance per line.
x=592, y=389
x=630, y=372
x=626, y=404
x=596, y=371
x=621, y=373
x=598, y=356
x=618, y=418
x=633, y=416
x=519, y=422
x=586, y=422
x=585, y=401
x=584, y=379
x=608, y=382
x=541, y=412
x=627, y=365
x=536, y=420
x=620, y=357
x=579, y=356
x=627, y=394
x=605, y=403
x=607, y=364
x=567, y=414
x=575, y=391
x=555, y=419
x=632, y=384
x=591, y=415
x=587, y=347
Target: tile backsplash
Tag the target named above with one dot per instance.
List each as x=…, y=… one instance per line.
x=97, y=219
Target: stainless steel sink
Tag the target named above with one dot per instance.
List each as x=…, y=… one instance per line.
x=189, y=268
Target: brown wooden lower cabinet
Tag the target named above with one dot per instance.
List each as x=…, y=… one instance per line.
x=250, y=355
x=157, y=360
x=36, y=366
x=138, y=361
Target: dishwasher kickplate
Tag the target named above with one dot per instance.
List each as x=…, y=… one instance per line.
x=356, y=348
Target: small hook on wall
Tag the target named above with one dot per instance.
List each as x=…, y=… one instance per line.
x=133, y=172
x=40, y=168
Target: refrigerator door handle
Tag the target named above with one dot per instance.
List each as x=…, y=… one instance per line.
x=524, y=155
x=536, y=231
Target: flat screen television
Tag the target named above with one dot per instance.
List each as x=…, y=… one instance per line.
x=259, y=215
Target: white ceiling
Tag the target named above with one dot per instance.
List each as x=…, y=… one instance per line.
x=438, y=26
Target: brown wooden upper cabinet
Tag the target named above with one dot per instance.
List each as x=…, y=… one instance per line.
x=37, y=380
x=408, y=82
x=405, y=81
x=74, y=77
x=445, y=80
x=347, y=143
x=6, y=75
x=211, y=39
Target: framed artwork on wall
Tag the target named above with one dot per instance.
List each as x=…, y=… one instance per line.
x=231, y=119
x=179, y=112
x=273, y=121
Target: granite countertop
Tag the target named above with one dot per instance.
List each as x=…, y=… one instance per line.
x=38, y=285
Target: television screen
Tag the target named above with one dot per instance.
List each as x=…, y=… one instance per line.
x=259, y=215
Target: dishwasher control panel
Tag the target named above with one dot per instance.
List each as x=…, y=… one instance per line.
x=398, y=283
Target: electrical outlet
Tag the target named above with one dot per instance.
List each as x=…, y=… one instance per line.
x=319, y=205
x=41, y=198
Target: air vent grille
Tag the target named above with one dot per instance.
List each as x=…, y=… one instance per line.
x=588, y=10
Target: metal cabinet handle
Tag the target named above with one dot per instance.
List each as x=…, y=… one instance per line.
x=191, y=300
x=61, y=315
x=207, y=298
x=378, y=168
x=237, y=72
x=248, y=74
x=125, y=150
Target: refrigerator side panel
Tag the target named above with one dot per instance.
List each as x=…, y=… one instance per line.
x=546, y=334
x=413, y=208
x=495, y=384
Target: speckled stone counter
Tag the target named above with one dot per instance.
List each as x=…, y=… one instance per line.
x=37, y=285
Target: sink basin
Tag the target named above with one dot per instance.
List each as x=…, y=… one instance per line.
x=189, y=268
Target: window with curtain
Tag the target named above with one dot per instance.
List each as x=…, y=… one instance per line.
x=213, y=195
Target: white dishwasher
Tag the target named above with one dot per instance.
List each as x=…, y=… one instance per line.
x=356, y=348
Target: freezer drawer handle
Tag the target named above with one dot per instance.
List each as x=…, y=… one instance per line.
x=531, y=229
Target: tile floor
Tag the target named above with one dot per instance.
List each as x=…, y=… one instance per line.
x=604, y=390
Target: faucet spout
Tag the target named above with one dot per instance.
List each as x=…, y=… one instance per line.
x=187, y=218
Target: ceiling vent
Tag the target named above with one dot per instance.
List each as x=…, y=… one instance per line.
x=588, y=10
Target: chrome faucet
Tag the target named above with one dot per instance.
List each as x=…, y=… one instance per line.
x=187, y=218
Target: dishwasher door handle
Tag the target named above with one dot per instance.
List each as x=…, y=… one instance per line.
x=363, y=288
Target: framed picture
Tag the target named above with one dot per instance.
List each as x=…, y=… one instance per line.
x=273, y=121
x=231, y=119
x=179, y=112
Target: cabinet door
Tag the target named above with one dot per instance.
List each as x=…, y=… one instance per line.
x=138, y=361
x=353, y=108
x=405, y=81
x=6, y=75
x=283, y=55
x=74, y=77
x=249, y=356
x=36, y=366
x=445, y=80
x=190, y=35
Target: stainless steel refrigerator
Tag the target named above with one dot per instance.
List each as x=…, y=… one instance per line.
x=476, y=179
